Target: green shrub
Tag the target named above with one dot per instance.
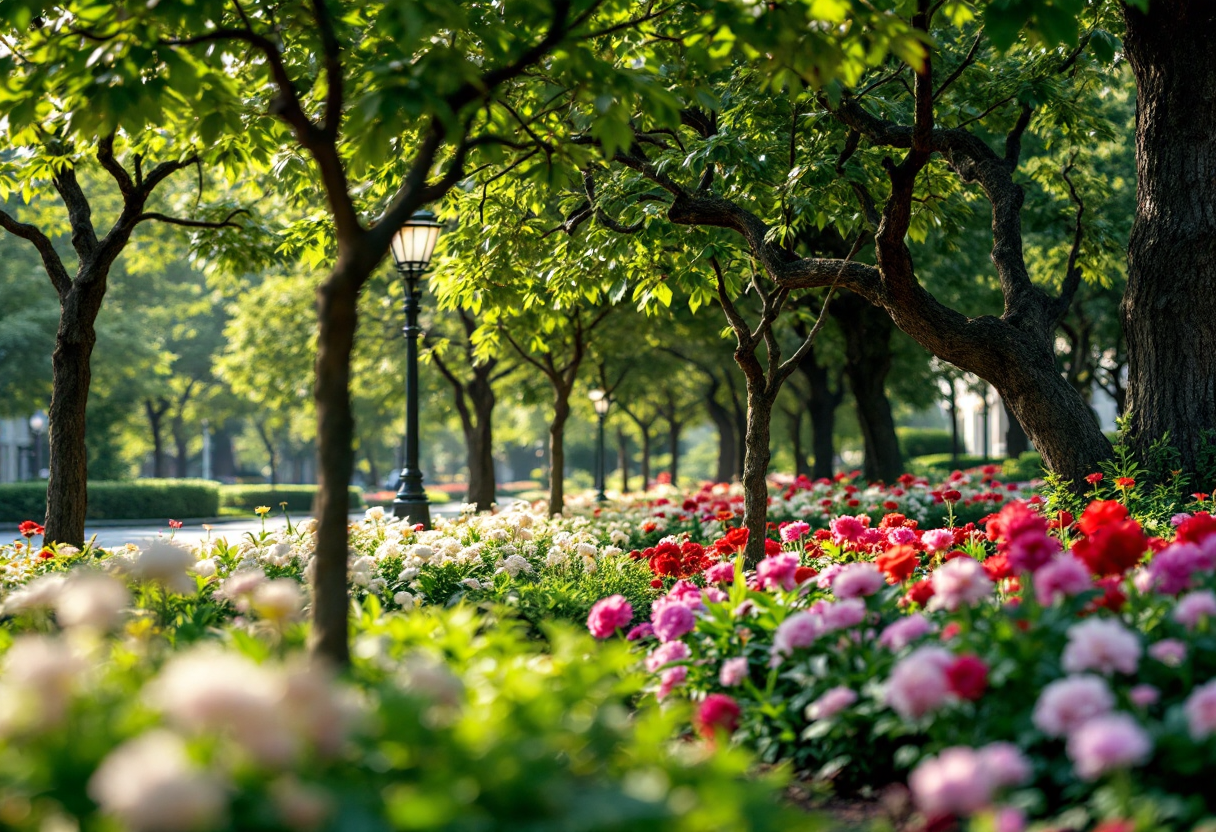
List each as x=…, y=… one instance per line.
x=299, y=498
x=924, y=441
x=133, y=500
x=934, y=465
x=1028, y=466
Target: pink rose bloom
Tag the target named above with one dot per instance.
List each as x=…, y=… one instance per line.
x=960, y=582
x=1063, y=577
x=609, y=615
x=1106, y=743
x=1006, y=764
x=918, y=683
x=831, y=703
x=840, y=615
x=686, y=593
x=1101, y=644
x=794, y=531
x=1201, y=711
x=799, y=630
x=643, y=630
x=673, y=621
x=1170, y=569
x=778, y=571
x=1066, y=703
x=903, y=632
x=1030, y=550
x=721, y=573
x=846, y=529
x=1144, y=696
x=665, y=654
x=938, y=540
x=714, y=595
x=955, y=782
x=745, y=609
x=671, y=679
x=1194, y=607
x=1169, y=651
x=858, y=580
x=872, y=537
x=901, y=536
x=733, y=672
x=824, y=579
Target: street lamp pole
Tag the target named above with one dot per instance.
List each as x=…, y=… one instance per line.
x=412, y=248
x=601, y=402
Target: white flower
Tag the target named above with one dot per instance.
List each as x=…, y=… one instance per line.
x=279, y=600
x=37, y=594
x=166, y=564
x=611, y=551
x=586, y=550
x=516, y=564
x=405, y=600
x=37, y=677
x=93, y=600
x=205, y=568
x=374, y=514
x=423, y=553
x=471, y=583
x=150, y=785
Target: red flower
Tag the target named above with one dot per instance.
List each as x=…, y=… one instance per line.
x=892, y=521
x=997, y=567
x=1112, y=549
x=718, y=712
x=175, y=524
x=803, y=574
x=656, y=583
x=1101, y=513
x=890, y=505
x=772, y=547
x=29, y=529
x=968, y=677
x=952, y=496
x=951, y=630
x=1116, y=826
x=1094, y=478
x=1124, y=482
x=898, y=563
x=45, y=554
x=1200, y=496
x=920, y=592
x=1196, y=528
x=1113, y=597
x=1063, y=520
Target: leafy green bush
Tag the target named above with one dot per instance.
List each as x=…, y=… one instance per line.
x=133, y=500
x=924, y=441
x=299, y=498
x=1028, y=466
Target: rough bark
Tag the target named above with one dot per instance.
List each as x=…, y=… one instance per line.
x=557, y=451
x=1169, y=306
x=821, y=404
x=67, y=486
x=867, y=334
x=479, y=439
x=755, y=471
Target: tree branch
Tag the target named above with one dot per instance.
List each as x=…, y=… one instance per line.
x=46, y=250
x=226, y=222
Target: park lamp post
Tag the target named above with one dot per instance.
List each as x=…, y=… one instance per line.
x=601, y=403
x=412, y=247
x=38, y=424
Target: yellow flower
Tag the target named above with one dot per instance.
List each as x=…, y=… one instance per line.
x=262, y=511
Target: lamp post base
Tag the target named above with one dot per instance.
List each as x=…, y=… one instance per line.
x=418, y=510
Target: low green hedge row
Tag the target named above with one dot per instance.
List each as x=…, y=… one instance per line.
x=1028, y=466
x=151, y=499
x=916, y=442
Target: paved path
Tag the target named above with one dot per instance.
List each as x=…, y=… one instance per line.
x=192, y=531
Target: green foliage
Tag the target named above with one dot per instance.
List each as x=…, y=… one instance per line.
x=299, y=498
x=146, y=499
x=921, y=442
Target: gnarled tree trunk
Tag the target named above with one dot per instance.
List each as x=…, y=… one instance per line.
x=1169, y=306
x=67, y=488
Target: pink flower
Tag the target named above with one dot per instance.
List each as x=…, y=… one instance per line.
x=1030, y=550
x=903, y=632
x=609, y=615
x=733, y=672
x=686, y=593
x=643, y=630
x=1144, y=696
x=918, y=683
x=1169, y=651
x=840, y=615
x=799, y=630
x=1108, y=742
x=1066, y=703
x=671, y=679
x=938, y=540
x=1195, y=607
x=825, y=578
x=673, y=621
x=858, y=580
x=1201, y=711
x=960, y=582
x=794, y=531
x=955, y=782
x=831, y=703
x=901, y=536
x=718, y=712
x=1101, y=644
x=1063, y=577
x=846, y=529
x=1006, y=764
x=778, y=571
x=1009, y=819
x=1170, y=569
x=721, y=573
x=665, y=654
x=714, y=595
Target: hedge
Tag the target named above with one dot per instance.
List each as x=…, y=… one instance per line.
x=134, y=500
x=1028, y=466
x=916, y=442
x=299, y=498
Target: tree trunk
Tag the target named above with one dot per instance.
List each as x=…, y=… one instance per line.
x=724, y=424
x=622, y=457
x=557, y=451
x=645, y=434
x=336, y=315
x=67, y=487
x=673, y=440
x=479, y=437
x=155, y=413
x=801, y=469
x=223, y=459
x=867, y=331
x=373, y=470
x=272, y=452
x=953, y=405
x=821, y=404
x=1016, y=440
x=1169, y=306
x=755, y=473
x=181, y=444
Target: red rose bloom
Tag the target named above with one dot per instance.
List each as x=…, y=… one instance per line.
x=898, y=563
x=718, y=712
x=772, y=547
x=1196, y=528
x=967, y=677
x=1100, y=513
x=1112, y=549
x=803, y=574
x=892, y=521
x=997, y=567
x=951, y=630
x=29, y=529
x=920, y=592
x=1113, y=597
x=952, y=496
